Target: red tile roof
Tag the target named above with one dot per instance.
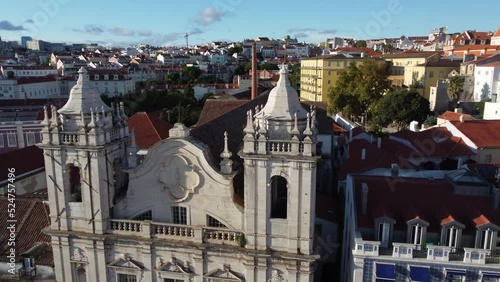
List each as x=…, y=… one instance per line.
x=497, y=33
x=148, y=129
x=484, y=133
x=214, y=108
x=452, y=116
x=32, y=217
x=24, y=160
x=403, y=199
x=412, y=54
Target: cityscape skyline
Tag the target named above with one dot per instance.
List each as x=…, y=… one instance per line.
x=126, y=24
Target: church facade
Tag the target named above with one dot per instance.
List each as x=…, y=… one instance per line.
x=185, y=213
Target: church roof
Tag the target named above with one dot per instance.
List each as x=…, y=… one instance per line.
x=83, y=96
x=148, y=129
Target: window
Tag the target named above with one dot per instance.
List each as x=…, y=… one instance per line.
x=1, y=141
x=126, y=277
x=451, y=237
x=179, y=215
x=486, y=239
x=30, y=137
x=172, y=280
x=212, y=222
x=28, y=262
x=12, y=140
x=279, y=197
x=383, y=234
x=329, y=82
x=96, y=77
x=416, y=234
x=431, y=74
x=75, y=184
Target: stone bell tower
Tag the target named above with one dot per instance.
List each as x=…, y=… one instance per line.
x=279, y=152
x=85, y=146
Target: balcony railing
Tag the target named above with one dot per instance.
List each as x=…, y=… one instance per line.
x=27, y=272
x=157, y=230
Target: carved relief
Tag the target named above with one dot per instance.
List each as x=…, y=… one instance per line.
x=178, y=177
x=79, y=255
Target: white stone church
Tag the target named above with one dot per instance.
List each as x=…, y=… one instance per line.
x=200, y=207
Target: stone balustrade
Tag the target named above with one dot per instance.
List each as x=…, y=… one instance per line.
x=157, y=230
x=69, y=138
x=369, y=248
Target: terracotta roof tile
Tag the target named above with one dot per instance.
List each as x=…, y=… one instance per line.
x=484, y=133
x=32, y=217
x=148, y=129
x=452, y=116
x=214, y=108
x=408, y=198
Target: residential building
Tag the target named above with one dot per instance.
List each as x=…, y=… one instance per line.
x=453, y=116
x=420, y=226
x=495, y=39
x=431, y=72
x=467, y=70
x=482, y=136
x=33, y=87
x=111, y=82
x=492, y=109
x=179, y=215
x=37, y=45
x=486, y=81
x=467, y=38
x=24, y=41
x=410, y=60
x=268, y=51
x=27, y=71
x=319, y=74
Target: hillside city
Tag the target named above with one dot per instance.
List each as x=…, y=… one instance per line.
x=265, y=159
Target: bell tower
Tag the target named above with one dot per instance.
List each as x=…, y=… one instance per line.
x=279, y=152
x=85, y=149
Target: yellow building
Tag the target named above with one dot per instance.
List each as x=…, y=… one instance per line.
x=402, y=70
x=319, y=74
x=436, y=70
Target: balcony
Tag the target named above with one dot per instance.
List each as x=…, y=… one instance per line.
x=170, y=231
x=27, y=272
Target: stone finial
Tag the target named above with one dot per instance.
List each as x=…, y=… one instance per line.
x=295, y=130
x=92, y=118
x=226, y=154
x=122, y=112
x=249, y=129
x=226, y=165
x=132, y=142
x=308, y=131
x=45, y=121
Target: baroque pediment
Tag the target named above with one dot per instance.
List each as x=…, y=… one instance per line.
x=126, y=263
x=225, y=274
x=177, y=176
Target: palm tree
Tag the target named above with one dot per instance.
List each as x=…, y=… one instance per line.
x=455, y=88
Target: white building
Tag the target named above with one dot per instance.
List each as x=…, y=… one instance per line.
x=487, y=81
x=492, y=109
x=178, y=216
x=405, y=225
x=27, y=71
x=34, y=87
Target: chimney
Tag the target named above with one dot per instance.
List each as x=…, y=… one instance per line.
x=364, y=197
x=254, y=71
x=394, y=170
x=363, y=153
x=379, y=143
x=462, y=118
x=458, y=110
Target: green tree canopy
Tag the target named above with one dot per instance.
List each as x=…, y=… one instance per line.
x=268, y=66
x=294, y=75
x=234, y=50
x=360, y=43
x=190, y=73
x=402, y=107
x=359, y=88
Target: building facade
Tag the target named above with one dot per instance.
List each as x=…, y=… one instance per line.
x=178, y=216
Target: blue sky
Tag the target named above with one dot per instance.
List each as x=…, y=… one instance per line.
x=164, y=22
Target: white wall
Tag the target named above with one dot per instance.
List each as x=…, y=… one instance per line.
x=491, y=110
x=486, y=82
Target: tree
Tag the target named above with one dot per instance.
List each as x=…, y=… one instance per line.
x=402, y=107
x=268, y=66
x=360, y=43
x=294, y=76
x=234, y=50
x=190, y=73
x=359, y=88
x=455, y=88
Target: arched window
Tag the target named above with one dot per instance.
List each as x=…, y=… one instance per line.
x=279, y=197
x=81, y=275
x=75, y=186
